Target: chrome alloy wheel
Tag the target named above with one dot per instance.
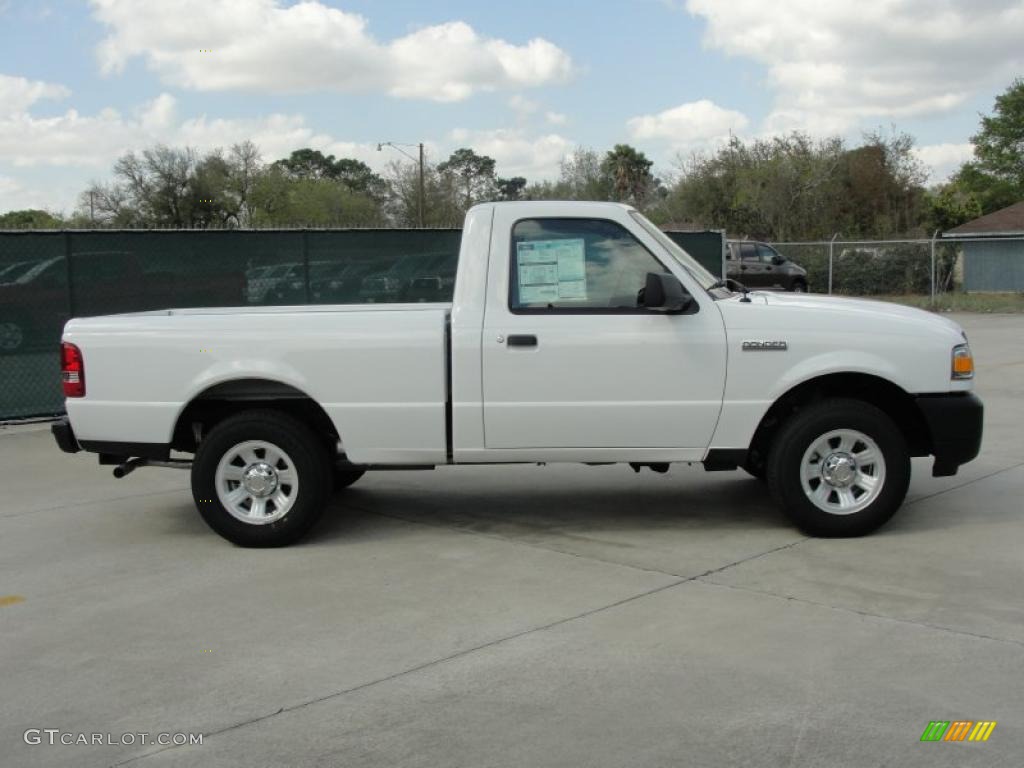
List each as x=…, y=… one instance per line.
x=256, y=482
x=843, y=471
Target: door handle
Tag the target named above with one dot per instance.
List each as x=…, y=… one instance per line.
x=522, y=340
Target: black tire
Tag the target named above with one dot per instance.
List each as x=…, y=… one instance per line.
x=798, y=286
x=807, y=426
x=312, y=466
x=755, y=471
x=344, y=477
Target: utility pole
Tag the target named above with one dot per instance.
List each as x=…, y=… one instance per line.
x=422, y=193
x=421, y=197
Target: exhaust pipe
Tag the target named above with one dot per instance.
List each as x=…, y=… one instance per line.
x=132, y=464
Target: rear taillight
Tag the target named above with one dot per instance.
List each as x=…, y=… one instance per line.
x=72, y=370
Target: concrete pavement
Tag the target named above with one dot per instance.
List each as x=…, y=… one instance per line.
x=521, y=616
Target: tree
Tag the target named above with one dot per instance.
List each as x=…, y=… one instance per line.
x=313, y=164
x=358, y=177
x=160, y=184
x=30, y=218
x=999, y=145
x=511, y=189
x=950, y=206
x=629, y=172
x=581, y=176
x=792, y=187
x=473, y=175
x=244, y=165
x=995, y=177
x=442, y=203
x=107, y=205
x=280, y=201
x=308, y=163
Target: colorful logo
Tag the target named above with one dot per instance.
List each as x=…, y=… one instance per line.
x=958, y=730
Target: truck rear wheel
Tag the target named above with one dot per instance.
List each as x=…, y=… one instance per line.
x=261, y=478
x=839, y=467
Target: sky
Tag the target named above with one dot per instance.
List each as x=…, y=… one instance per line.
x=83, y=82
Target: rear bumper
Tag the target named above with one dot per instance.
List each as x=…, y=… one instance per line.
x=955, y=424
x=65, y=436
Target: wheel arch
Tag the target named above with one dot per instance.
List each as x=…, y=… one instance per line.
x=226, y=398
x=890, y=398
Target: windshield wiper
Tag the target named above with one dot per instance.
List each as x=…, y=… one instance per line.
x=726, y=282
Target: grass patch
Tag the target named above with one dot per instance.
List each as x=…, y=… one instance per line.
x=963, y=302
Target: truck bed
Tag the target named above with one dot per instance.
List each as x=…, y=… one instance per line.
x=378, y=371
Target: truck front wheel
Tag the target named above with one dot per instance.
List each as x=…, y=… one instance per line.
x=839, y=467
x=261, y=478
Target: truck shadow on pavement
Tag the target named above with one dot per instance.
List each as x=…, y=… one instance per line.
x=506, y=508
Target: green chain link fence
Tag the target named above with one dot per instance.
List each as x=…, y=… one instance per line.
x=47, y=277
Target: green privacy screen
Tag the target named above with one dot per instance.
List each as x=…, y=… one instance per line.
x=47, y=277
x=706, y=246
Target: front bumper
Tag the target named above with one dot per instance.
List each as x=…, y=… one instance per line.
x=955, y=424
x=65, y=436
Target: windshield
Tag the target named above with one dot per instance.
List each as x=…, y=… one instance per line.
x=691, y=265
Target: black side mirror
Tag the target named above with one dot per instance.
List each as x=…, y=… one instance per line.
x=665, y=293
x=778, y=260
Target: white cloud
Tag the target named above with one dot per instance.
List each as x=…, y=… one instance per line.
x=689, y=126
x=73, y=139
x=944, y=159
x=265, y=45
x=18, y=94
x=556, y=118
x=518, y=153
x=84, y=147
x=835, y=64
x=522, y=106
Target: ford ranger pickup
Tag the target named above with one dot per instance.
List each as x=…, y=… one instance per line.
x=577, y=332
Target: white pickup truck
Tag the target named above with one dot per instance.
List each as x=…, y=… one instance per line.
x=578, y=332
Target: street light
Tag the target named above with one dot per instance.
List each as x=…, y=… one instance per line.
x=398, y=146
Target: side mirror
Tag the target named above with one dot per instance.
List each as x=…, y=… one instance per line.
x=665, y=293
x=778, y=260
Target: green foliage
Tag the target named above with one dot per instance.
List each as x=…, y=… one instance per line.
x=30, y=218
x=991, y=192
x=628, y=172
x=794, y=188
x=280, y=201
x=999, y=144
x=311, y=164
x=949, y=206
x=995, y=178
x=511, y=189
x=472, y=174
x=784, y=188
x=894, y=270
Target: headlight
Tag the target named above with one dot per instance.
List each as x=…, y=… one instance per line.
x=963, y=363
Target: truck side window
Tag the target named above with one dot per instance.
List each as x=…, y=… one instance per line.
x=585, y=264
x=748, y=252
x=767, y=253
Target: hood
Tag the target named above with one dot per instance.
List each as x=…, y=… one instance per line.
x=844, y=304
x=801, y=312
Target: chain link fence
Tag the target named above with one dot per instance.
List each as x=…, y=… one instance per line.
x=894, y=268
x=48, y=277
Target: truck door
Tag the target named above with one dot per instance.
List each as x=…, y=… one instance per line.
x=752, y=269
x=772, y=272
x=569, y=358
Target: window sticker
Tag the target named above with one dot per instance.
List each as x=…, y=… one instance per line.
x=550, y=270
